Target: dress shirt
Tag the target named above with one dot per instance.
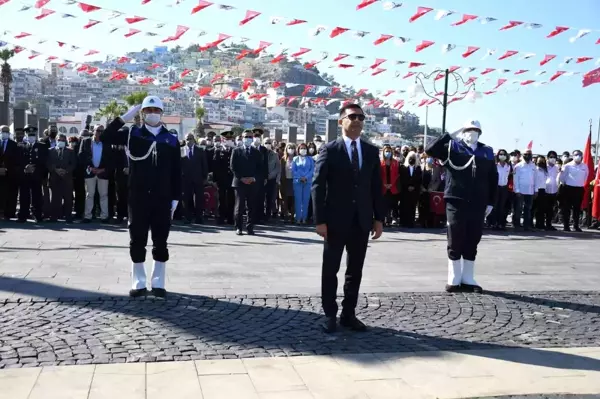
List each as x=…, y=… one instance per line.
x=190, y=151
x=348, y=142
x=411, y=170
x=4, y=143
x=574, y=175
x=96, y=153
x=552, y=180
x=503, y=172
x=524, y=180
x=540, y=179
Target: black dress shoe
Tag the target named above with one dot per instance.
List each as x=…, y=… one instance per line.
x=330, y=326
x=199, y=221
x=187, y=222
x=239, y=232
x=352, y=323
x=471, y=288
x=105, y=221
x=86, y=221
x=566, y=228
x=159, y=292
x=136, y=293
x=452, y=288
x=550, y=228
x=250, y=232
x=577, y=229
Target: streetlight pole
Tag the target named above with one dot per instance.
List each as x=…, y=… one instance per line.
x=445, y=101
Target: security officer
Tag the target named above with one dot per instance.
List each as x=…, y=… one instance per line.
x=223, y=176
x=471, y=184
x=32, y=168
x=154, y=189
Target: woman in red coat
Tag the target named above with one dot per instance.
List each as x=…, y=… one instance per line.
x=390, y=175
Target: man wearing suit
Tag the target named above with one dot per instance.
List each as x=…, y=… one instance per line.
x=347, y=205
x=261, y=179
x=194, y=168
x=96, y=159
x=411, y=180
x=246, y=165
x=61, y=164
x=9, y=182
x=49, y=140
x=32, y=169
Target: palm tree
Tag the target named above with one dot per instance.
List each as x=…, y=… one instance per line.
x=135, y=98
x=200, y=112
x=111, y=111
x=6, y=80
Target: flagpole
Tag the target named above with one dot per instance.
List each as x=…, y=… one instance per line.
x=598, y=142
x=426, y=123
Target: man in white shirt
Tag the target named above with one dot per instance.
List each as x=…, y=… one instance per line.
x=574, y=176
x=551, y=189
x=524, y=188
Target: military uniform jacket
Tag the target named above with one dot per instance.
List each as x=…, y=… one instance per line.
x=478, y=182
x=222, y=174
x=154, y=178
x=33, y=154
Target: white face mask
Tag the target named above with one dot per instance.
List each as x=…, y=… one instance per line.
x=565, y=158
x=311, y=150
x=470, y=138
x=208, y=143
x=239, y=143
x=257, y=140
x=290, y=151
x=303, y=152
x=502, y=157
x=31, y=139
x=5, y=135
x=577, y=158
x=229, y=143
x=152, y=119
x=268, y=146
x=551, y=161
x=202, y=147
x=61, y=144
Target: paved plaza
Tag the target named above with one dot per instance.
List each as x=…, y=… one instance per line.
x=242, y=319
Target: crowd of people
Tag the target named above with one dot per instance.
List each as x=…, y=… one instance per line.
x=81, y=179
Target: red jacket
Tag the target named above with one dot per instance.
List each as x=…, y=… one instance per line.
x=394, y=176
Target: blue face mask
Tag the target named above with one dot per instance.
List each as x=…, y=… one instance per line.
x=248, y=142
x=387, y=154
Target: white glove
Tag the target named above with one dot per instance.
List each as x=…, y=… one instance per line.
x=488, y=210
x=133, y=111
x=456, y=135
x=173, y=207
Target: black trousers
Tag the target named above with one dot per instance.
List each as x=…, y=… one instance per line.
x=498, y=216
x=112, y=196
x=193, y=200
x=259, y=205
x=391, y=201
x=545, y=213
x=572, y=197
x=355, y=241
x=226, y=203
x=79, y=188
x=9, y=190
x=61, y=203
x=270, y=197
x=465, y=228
x=30, y=195
x=122, y=181
x=153, y=215
x=408, y=207
x=245, y=199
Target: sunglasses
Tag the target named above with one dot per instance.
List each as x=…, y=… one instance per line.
x=354, y=117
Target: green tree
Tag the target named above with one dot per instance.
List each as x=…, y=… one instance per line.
x=6, y=78
x=112, y=110
x=135, y=98
x=200, y=112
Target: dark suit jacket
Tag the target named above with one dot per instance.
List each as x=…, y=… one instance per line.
x=67, y=162
x=406, y=180
x=85, y=159
x=244, y=165
x=264, y=173
x=9, y=157
x=196, y=167
x=338, y=197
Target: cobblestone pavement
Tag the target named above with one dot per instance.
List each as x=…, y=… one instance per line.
x=117, y=330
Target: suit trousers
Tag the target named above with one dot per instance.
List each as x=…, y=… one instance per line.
x=226, y=203
x=153, y=215
x=92, y=184
x=30, y=195
x=61, y=204
x=259, y=212
x=270, y=198
x=465, y=228
x=245, y=199
x=122, y=183
x=9, y=189
x=573, y=196
x=47, y=202
x=408, y=207
x=355, y=241
x=193, y=200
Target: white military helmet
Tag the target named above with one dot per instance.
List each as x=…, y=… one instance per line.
x=472, y=124
x=152, y=102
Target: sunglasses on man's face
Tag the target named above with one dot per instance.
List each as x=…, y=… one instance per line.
x=354, y=117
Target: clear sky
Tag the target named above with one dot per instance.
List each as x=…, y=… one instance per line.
x=555, y=116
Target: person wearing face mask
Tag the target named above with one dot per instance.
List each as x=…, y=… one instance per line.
x=49, y=140
x=390, y=179
x=551, y=185
x=524, y=188
x=313, y=152
x=398, y=156
x=404, y=150
x=247, y=166
x=239, y=141
x=574, y=177
x=62, y=161
x=411, y=180
x=566, y=157
x=470, y=193
x=497, y=218
x=273, y=179
x=286, y=187
x=9, y=174
x=539, y=198
x=32, y=162
x=211, y=148
x=318, y=143
x=154, y=189
x=303, y=169
x=261, y=178
x=223, y=176
x=194, y=169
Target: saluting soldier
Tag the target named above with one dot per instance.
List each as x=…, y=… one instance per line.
x=223, y=176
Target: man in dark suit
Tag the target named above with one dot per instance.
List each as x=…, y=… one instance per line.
x=96, y=159
x=261, y=179
x=61, y=164
x=411, y=180
x=9, y=182
x=32, y=169
x=49, y=140
x=347, y=204
x=194, y=169
x=246, y=165
x=223, y=176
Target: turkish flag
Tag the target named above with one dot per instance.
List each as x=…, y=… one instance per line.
x=340, y=57
x=420, y=12
x=204, y=91
x=88, y=7
x=437, y=205
x=132, y=32
x=500, y=83
x=557, y=31
x=557, y=75
x=408, y=75
x=470, y=51
x=424, y=44
x=301, y=52
x=520, y=71
x=527, y=82
x=509, y=53
x=45, y=12
x=596, y=199
x=338, y=31
x=201, y=6
x=591, y=77
x=176, y=86
x=296, y=22
x=247, y=83
x=250, y=15
x=466, y=18
x=415, y=64
x=90, y=23
x=488, y=70
x=589, y=162
x=133, y=20
x=547, y=59
x=583, y=59
x=179, y=32
x=378, y=62
x=383, y=38
x=511, y=25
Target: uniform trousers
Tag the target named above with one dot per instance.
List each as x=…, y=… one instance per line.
x=245, y=199
x=572, y=198
x=154, y=215
x=122, y=182
x=465, y=228
x=9, y=188
x=226, y=203
x=355, y=241
x=30, y=194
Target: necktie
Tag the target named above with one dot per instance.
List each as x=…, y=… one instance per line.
x=355, y=163
x=248, y=151
x=60, y=154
